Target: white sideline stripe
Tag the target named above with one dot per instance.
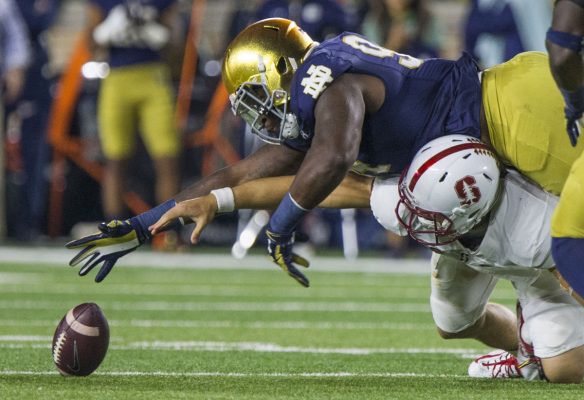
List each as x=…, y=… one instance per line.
x=282, y=306
x=248, y=374
x=144, y=258
x=147, y=323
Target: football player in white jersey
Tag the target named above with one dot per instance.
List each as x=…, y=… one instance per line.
x=482, y=226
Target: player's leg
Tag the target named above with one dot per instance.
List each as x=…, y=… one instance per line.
x=158, y=129
x=565, y=368
x=117, y=133
x=525, y=118
x=459, y=305
x=113, y=188
x=161, y=139
x=554, y=329
x=568, y=229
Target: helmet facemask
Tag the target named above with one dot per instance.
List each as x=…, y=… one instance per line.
x=254, y=103
x=430, y=228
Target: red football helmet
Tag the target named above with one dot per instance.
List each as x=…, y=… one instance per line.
x=451, y=184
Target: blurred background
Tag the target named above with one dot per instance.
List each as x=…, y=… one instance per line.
x=53, y=167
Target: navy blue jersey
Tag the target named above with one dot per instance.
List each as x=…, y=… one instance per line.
x=121, y=56
x=424, y=99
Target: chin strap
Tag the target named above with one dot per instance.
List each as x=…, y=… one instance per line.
x=291, y=128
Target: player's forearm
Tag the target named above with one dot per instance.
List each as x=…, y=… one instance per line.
x=564, y=45
x=353, y=192
x=261, y=194
x=567, y=67
x=222, y=178
x=316, y=181
x=268, y=161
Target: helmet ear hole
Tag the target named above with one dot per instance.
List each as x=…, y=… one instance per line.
x=281, y=66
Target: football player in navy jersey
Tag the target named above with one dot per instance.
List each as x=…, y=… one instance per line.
x=565, y=41
x=349, y=104
x=137, y=94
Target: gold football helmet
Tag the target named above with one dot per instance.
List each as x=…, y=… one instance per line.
x=257, y=70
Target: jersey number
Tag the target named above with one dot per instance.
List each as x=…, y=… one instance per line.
x=372, y=49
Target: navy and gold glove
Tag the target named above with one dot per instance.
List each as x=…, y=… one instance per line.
x=280, y=249
x=115, y=239
x=573, y=110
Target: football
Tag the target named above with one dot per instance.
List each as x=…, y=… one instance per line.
x=81, y=340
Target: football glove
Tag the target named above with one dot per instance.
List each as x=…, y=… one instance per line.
x=280, y=249
x=115, y=239
x=573, y=111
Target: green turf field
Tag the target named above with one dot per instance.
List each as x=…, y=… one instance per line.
x=242, y=334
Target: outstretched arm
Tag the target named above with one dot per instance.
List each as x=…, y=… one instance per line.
x=266, y=194
x=260, y=194
x=267, y=161
x=118, y=238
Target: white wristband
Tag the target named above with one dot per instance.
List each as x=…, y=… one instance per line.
x=225, y=199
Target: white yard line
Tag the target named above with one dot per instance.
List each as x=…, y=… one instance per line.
x=148, y=323
x=275, y=348
x=364, y=291
x=211, y=374
x=279, y=306
x=148, y=259
x=24, y=338
x=24, y=342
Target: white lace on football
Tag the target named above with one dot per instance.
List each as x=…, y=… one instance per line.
x=496, y=364
x=60, y=342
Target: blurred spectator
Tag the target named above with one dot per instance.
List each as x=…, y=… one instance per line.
x=137, y=95
x=15, y=51
x=496, y=30
x=399, y=25
x=15, y=57
x=28, y=126
x=321, y=19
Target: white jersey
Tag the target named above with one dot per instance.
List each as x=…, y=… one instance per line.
x=517, y=236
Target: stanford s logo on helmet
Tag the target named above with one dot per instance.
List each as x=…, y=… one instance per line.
x=257, y=71
x=467, y=191
x=451, y=184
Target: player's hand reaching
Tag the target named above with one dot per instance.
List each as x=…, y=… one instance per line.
x=280, y=249
x=115, y=239
x=200, y=210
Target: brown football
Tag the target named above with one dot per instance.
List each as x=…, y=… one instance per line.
x=81, y=340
